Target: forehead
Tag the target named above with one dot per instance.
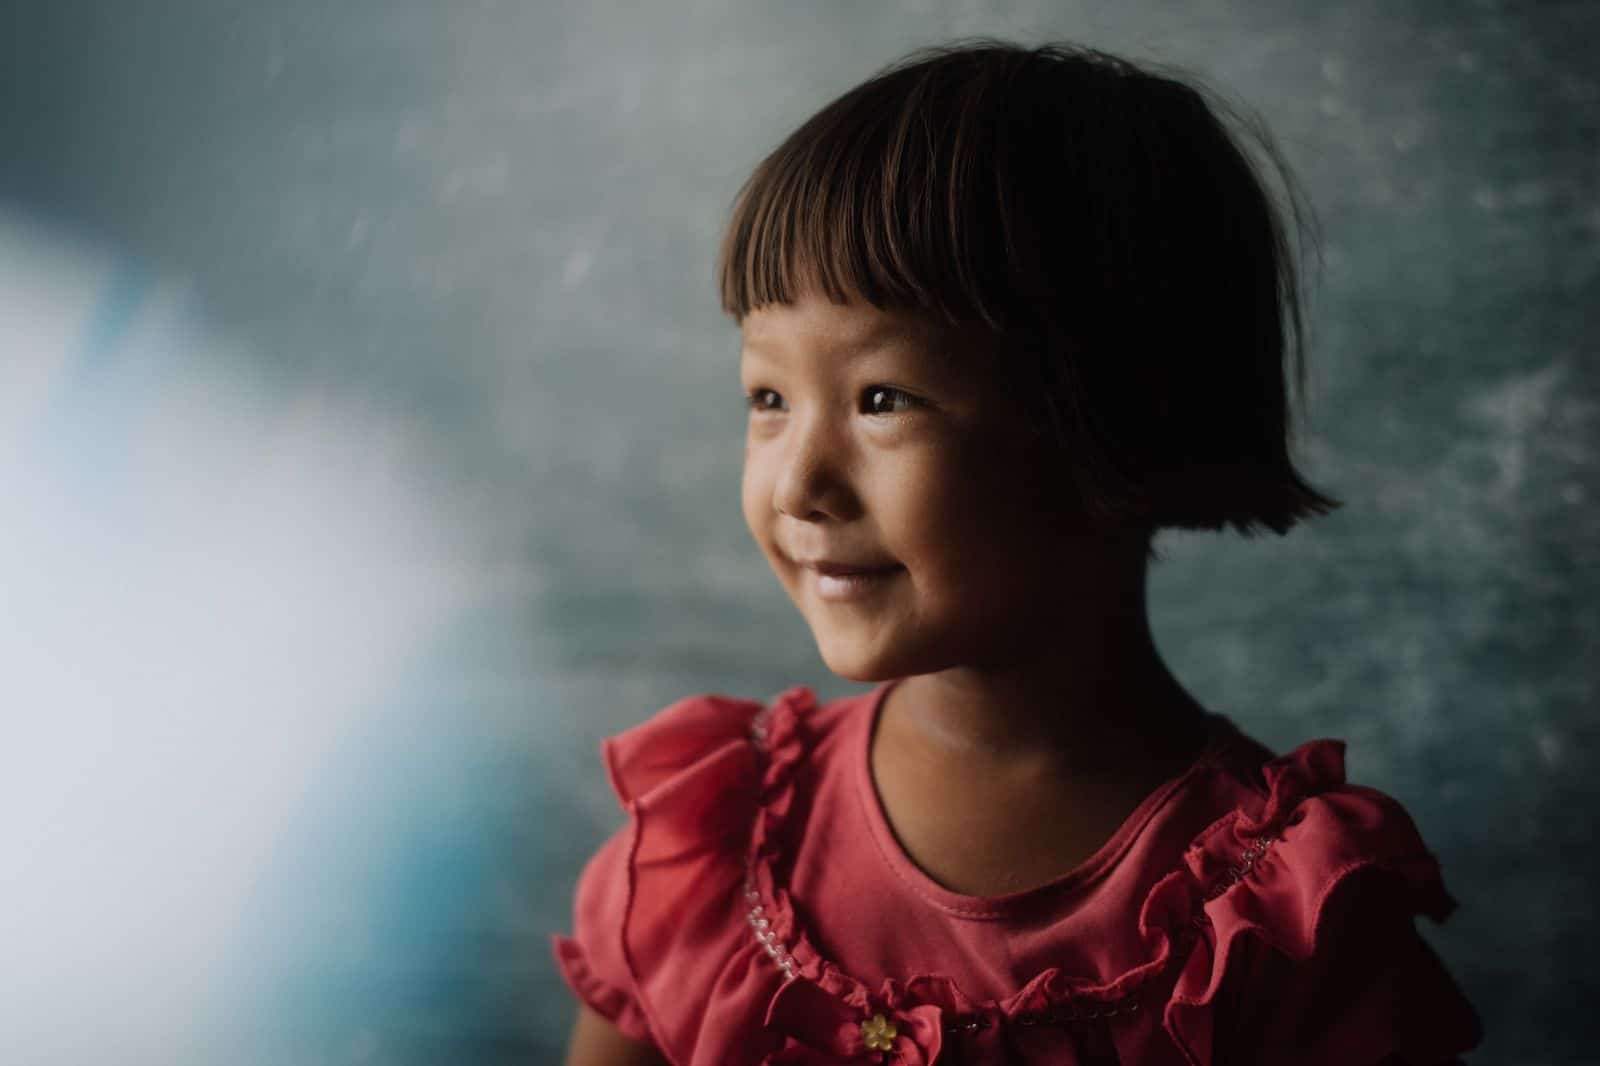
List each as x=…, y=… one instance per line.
x=815, y=327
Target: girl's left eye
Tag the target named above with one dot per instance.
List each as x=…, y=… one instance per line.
x=875, y=391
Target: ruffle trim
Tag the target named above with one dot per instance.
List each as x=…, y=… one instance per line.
x=1267, y=872
x=687, y=780
x=606, y=1000
x=1271, y=875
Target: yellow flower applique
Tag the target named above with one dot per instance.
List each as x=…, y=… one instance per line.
x=879, y=1033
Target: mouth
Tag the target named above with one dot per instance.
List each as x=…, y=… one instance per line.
x=830, y=569
x=852, y=582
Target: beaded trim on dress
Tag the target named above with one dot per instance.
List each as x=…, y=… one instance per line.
x=756, y=916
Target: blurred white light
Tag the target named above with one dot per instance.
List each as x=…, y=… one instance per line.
x=206, y=585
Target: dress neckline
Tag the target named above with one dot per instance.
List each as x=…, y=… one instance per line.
x=1058, y=891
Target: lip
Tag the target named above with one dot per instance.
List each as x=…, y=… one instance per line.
x=829, y=568
x=857, y=584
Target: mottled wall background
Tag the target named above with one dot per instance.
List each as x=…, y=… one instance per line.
x=370, y=439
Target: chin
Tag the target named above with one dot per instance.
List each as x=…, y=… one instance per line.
x=866, y=677
x=867, y=669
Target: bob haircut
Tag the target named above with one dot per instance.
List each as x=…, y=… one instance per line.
x=1096, y=229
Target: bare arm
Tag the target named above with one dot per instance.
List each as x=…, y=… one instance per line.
x=596, y=1042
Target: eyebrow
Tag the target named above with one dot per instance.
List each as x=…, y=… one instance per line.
x=876, y=337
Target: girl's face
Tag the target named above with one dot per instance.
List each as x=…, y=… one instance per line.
x=868, y=445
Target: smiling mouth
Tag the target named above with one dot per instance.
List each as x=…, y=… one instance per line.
x=844, y=586
x=844, y=570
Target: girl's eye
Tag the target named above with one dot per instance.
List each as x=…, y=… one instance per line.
x=874, y=395
x=876, y=392
x=752, y=399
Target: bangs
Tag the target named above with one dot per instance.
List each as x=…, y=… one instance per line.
x=870, y=198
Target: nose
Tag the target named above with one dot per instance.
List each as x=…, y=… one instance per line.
x=813, y=469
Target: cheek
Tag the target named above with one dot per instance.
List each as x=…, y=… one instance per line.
x=1026, y=488
x=979, y=517
x=749, y=499
x=755, y=500
x=943, y=513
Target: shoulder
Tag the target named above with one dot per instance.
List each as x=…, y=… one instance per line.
x=658, y=910
x=699, y=769
x=1300, y=905
x=698, y=746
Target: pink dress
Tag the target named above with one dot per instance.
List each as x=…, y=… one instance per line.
x=756, y=908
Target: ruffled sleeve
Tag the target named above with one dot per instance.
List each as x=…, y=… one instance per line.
x=1302, y=911
x=1373, y=992
x=658, y=945
x=591, y=960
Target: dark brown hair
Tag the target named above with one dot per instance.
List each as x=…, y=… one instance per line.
x=1097, y=221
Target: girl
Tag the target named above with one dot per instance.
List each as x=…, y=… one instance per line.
x=1006, y=313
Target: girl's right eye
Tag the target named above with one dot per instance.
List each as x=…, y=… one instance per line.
x=752, y=399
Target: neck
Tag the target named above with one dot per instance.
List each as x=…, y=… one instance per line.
x=1090, y=697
